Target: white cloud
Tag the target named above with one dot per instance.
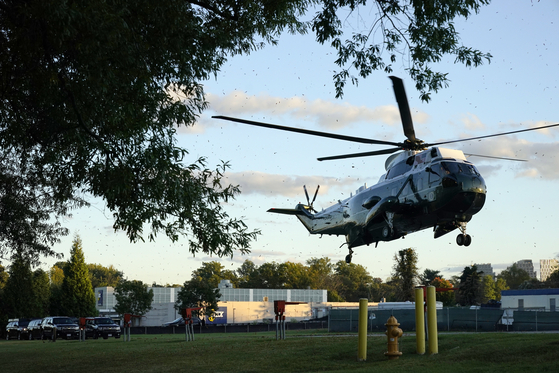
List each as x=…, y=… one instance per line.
x=254, y=182
x=472, y=122
x=542, y=158
x=327, y=114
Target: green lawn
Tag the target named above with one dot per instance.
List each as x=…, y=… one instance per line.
x=302, y=351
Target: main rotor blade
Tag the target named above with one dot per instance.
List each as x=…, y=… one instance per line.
x=492, y=157
x=308, y=132
x=404, y=107
x=315, y=193
x=355, y=155
x=493, y=135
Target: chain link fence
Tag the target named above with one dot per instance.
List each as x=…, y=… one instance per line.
x=449, y=319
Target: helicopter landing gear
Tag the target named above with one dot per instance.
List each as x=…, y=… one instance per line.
x=463, y=239
x=349, y=256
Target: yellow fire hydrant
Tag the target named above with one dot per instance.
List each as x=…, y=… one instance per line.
x=393, y=333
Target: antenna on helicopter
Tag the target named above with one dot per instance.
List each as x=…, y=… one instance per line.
x=310, y=203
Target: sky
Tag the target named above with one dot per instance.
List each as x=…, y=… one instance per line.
x=291, y=84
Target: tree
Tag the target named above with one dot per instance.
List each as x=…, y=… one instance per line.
x=420, y=32
x=488, y=289
x=553, y=280
x=56, y=277
x=41, y=293
x=78, y=298
x=211, y=272
x=428, y=275
x=18, y=291
x=500, y=285
x=247, y=274
x=297, y=276
x=447, y=297
x=198, y=293
x=469, y=289
x=133, y=297
x=379, y=291
x=103, y=276
x=514, y=276
x=405, y=274
x=354, y=281
x=3, y=277
x=93, y=93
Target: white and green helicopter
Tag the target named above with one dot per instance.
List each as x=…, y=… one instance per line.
x=425, y=186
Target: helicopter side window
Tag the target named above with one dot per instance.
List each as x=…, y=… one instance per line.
x=452, y=168
x=399, y=169
x=472, y=170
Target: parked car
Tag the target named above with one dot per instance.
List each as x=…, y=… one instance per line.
x=34, y=329
x=105, y=327
x=17, y=328
x=180, y=322
x=60, y=327
x=177, y=322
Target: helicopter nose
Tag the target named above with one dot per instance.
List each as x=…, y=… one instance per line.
x=478, y=185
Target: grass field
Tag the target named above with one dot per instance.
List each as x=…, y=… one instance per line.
x=302, y=351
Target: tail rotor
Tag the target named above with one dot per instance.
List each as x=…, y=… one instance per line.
x=309, y=202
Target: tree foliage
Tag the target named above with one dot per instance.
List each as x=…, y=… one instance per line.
x=103, y=276
x=428, y=275
x=93, y=91
x=41, y=293
x=447, y=297
x=470, y=292
x=414, y=33
x=198, y=293
x=354, y=281
x=514, y=276
x=488, y=291
x=405, y=274
x=18, y=297
x=133, y=297
x=78, y=298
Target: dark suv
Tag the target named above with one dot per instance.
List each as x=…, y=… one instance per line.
x=105, y=327
x=17, y=328
x=60, y=327
x=34, y=329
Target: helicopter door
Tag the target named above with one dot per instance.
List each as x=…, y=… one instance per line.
x=435, y=173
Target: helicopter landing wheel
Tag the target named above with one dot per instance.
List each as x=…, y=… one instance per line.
x=463, y=240
x=349, y=256
x=386, y=232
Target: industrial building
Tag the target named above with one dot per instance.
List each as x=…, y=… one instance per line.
x=530, y=299
x=235, y=305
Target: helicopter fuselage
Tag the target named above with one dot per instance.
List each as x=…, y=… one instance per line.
x=435, y=188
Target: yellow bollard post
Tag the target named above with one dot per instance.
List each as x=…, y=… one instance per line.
x=432, y=320
x=362, y=330
x=419, y=321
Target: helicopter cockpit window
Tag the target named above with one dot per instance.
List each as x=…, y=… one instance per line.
x=459, y=168
x=399, y=169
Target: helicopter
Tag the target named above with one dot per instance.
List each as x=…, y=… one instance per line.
x=425, y=186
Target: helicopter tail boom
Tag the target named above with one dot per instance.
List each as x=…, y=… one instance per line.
x=299, y=210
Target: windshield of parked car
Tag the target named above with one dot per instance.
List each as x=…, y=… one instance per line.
x=104, y=320
x=62, y=320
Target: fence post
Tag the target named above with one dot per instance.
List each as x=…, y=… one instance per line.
x=536, y=320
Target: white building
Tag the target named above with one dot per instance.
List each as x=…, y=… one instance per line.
x=486, y=269
x=235, y=305
x=547, y=267
x=528, y=266
x=530, y=299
